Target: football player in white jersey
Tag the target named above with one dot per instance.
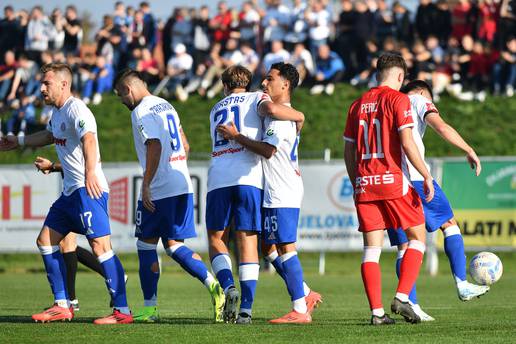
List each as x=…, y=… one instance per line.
x=283, y=190
x=235, y=183
x=165, y=209
x=83, y=203
x=438, y=212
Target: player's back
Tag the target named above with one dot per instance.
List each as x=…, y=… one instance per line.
x=374, y=122
x=283, y=187
x=156, y=118
x=232, y=164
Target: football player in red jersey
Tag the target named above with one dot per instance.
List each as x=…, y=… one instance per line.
x=378, y=134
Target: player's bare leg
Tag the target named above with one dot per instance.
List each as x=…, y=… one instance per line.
x=372, y=277
x=294, y=280
x=192, y=263
x=115, y=281
x=454, y=249
x=222, y=267
x=313, y=299
x=409, y=272
x=248, y=272
x=48, y=244
x=68, y=247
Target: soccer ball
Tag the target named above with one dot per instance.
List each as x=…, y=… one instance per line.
x=486, y=268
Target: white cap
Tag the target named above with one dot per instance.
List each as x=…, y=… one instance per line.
x=179, y=48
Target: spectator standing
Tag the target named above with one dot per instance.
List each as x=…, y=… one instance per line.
x=221, y=23
x=277, y=54
x=58, y=34
x=488, y=18
x=73, y=31
x=319, y=21
x=201, y=36
x=10, y=29
x=442, y=22
x=7, y=71
x=39, y=32
x=425, y=19
x=276, y=23
x=402, y=25
x=345, y=40
x=149, y=26
x=302, y=59
x=249, y=20
x=462, y=19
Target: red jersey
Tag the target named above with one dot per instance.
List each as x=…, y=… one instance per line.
x=373, y=124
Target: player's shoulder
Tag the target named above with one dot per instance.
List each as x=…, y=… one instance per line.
x=152, y=105
x=76, y=107
x=422, y=104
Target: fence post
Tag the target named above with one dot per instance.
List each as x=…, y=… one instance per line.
x=322, y=262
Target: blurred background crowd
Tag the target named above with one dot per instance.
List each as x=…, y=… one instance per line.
x=464, y=47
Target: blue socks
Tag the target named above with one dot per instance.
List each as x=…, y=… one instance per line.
x=275, y=260
x=454, y=249
x=294, y=280
x=413, y=293
x=184, y=256
x=149, y=272
x=221, y=265
x=56, y=273
x=115, y=279
x=248, y=276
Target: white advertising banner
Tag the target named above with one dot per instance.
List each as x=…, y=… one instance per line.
x=327, y=222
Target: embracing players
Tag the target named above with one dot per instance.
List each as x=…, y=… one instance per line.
x=165, y=208
x=82, y=207
x=438, y=212
x=235, y=183
x=283, y=191
x=377, y=136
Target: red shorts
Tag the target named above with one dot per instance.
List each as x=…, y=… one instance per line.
x=403, y=212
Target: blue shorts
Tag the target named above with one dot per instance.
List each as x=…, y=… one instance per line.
x=280, y=225
x=241, y=202
x=81, y=214
x=437, y=213
x=173, y=219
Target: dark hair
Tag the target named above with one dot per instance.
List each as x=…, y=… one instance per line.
x=126, y=74
x=388, y=61
x=289, y=72
x=417, y=85
x=237, y=77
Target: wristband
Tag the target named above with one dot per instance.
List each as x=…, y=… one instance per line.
x=21, y=140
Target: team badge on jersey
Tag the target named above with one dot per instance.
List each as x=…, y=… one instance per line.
x=81, y=124
x=270, y=132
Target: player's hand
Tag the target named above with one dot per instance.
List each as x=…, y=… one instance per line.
x=8, y=143
x=229, y=131
x=146, y=199
x=429, y=189
x=43, y=165
x=474, y=162
x=93, y=186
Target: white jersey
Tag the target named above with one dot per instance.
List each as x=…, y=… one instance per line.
x=420, y=107
x=231, y=164
x=283, y=187
x=68, y=125
x=155, y=118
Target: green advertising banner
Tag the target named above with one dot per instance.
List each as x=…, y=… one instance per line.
x=485, y=206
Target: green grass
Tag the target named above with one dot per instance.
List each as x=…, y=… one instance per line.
x=186, y=309
x=488, y=126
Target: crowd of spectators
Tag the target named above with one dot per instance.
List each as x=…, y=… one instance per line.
x=464, y=47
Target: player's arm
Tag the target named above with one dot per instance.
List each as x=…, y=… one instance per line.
x=281, y=112
x=153, y=156
x=39, y=139
x=46, y=166
x=448, y=133
x=350, y=159
x=409, y=147
x=186, y=145
x=230, y=132
x=89, y=146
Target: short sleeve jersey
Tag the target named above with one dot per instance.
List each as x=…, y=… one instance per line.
x=283, y=187
x=68, y=125
x=232, y=164
x=421, y=107
x=373, y=124
x=155, y=118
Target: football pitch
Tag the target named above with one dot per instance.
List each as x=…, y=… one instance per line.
x=186, y=310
